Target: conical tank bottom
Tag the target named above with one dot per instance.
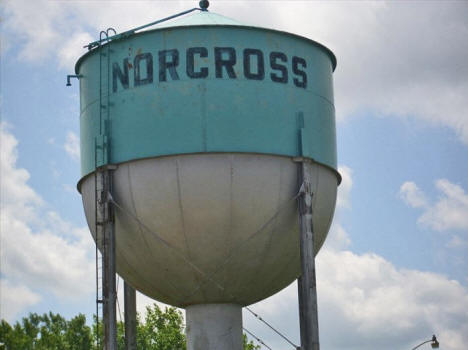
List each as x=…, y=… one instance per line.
x=211, y=228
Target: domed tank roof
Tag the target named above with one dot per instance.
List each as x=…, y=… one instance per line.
x=200, y=18
x=207, y=18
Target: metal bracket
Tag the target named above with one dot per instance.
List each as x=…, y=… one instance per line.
x=302, y=160
x=107, y=167
x=72, y=76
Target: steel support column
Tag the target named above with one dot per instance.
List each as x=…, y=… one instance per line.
x=307, y=288
x=105, y=220
x=130, y=317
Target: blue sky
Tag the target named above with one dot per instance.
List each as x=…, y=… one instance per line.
x=394, y=269
x=384, y=153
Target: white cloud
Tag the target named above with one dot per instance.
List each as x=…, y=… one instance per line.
x=72, y=49
x=15, y=299
x=72, y=145
x=412, y=195
x=368, y=297
x=40, y=252
x=337, y=237
x=344, y=190
x=61, y=30
x=33, y=25
x=365, y=302
x=450, y=210
x=16, y=195
x=383, y=65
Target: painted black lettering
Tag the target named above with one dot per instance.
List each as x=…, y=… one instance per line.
x=228, y=63
x=148, y=58
x=191, y=52
x=168, y=65
x=259, y=73
x=296, y=62
x=274, y=58
x=117, y=74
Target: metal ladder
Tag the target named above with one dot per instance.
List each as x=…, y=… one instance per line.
x=104, y=218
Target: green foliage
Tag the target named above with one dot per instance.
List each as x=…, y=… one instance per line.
x=249, y=345
x=46, y=332
x=160, y=330
x=78, y=334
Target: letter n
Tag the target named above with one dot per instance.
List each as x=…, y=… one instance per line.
x=118, y=75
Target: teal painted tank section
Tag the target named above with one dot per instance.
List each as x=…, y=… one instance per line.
x=168, y=107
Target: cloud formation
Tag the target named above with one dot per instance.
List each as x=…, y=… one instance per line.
x=448, y=212
x=384, y=66
x=376, y=305
x=365, y=302
x=40, y=252
x=337, y=237
x=72, y=145
x=412, y=195
x=14, y=299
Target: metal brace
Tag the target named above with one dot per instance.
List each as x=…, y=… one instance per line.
x=73, y=76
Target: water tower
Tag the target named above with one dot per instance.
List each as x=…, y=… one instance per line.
x=198, y=139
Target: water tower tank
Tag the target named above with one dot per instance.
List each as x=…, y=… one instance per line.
x=206, y=118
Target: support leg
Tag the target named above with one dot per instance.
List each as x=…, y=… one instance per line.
x=130, y=317
x=307, y=288
x=109, y=294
